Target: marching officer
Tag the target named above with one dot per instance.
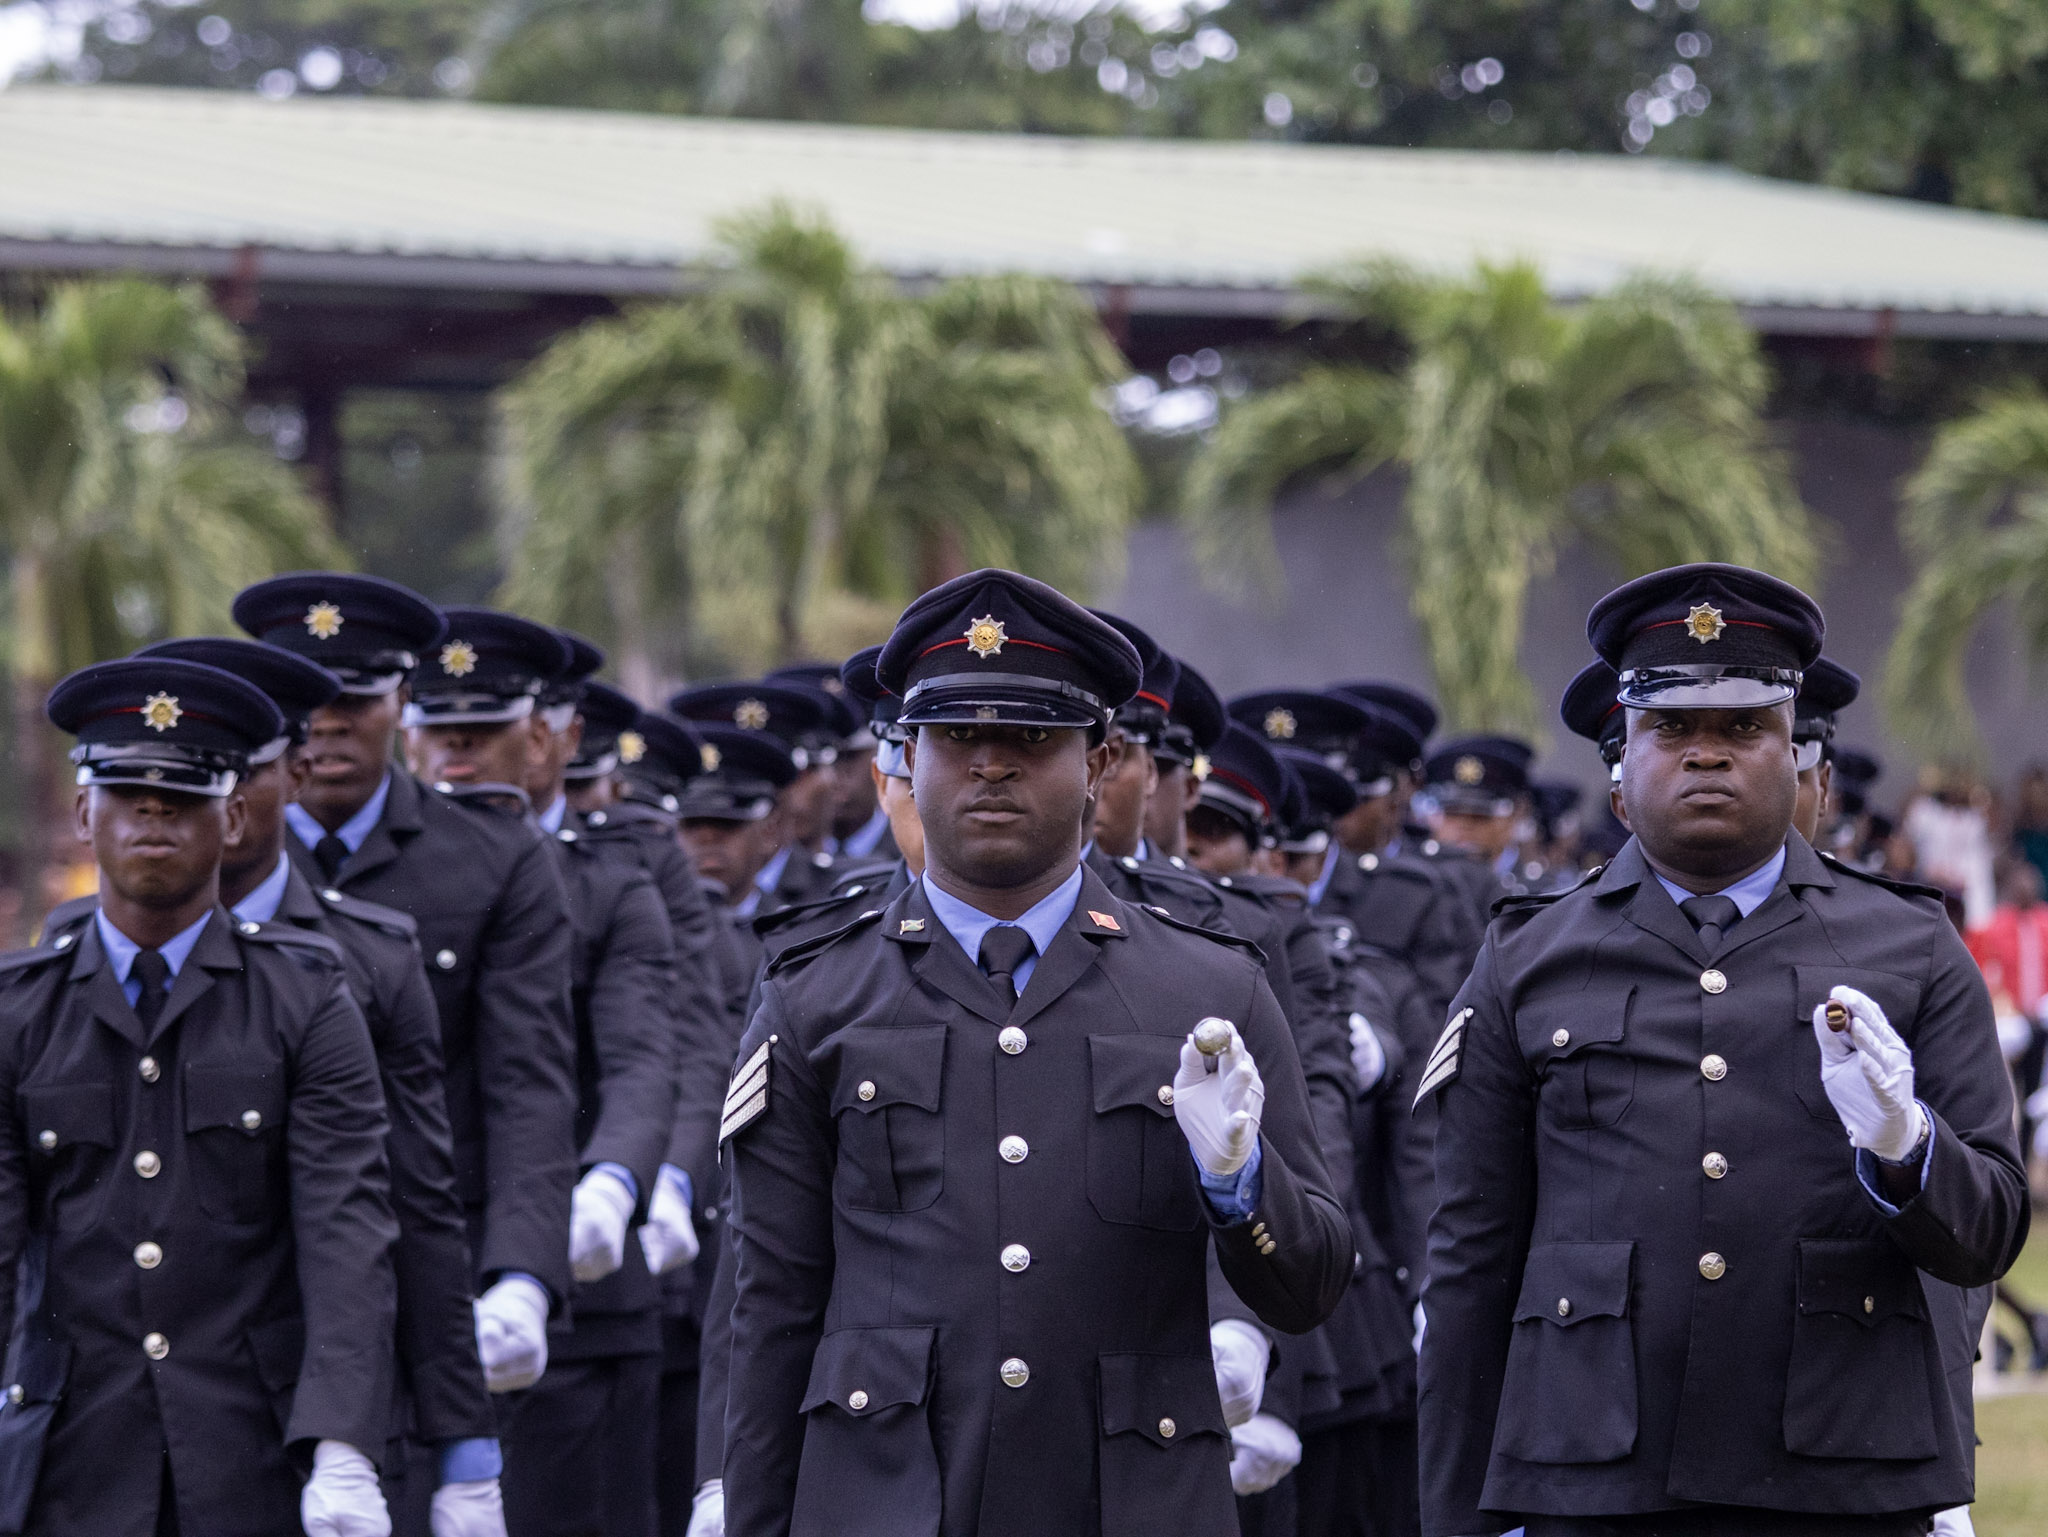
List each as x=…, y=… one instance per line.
x=197, y=1221
x=930, y=1338
x=1724, y=1135
x=1591, y=709
x=1476, y=791
x=491, y=912
x=859, y=830
x=1827, y=689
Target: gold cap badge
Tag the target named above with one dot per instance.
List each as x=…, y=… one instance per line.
x=160, y=712
x=458, y=658
x=750, y=715
x=323, y=621
x=1468, y=770
x=1280, y=725
x=1200, y=767
x=986, y=635
x=710, y=757
x=1705, y=623
x=632, y=747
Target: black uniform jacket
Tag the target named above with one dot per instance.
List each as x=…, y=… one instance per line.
x=1654, y=1276
x=230, y=1293
x=624, y=995
x=877, y=1327
x=1407, y=906
x=494, y=930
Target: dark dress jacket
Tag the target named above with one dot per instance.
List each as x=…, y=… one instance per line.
x=1655, y=1278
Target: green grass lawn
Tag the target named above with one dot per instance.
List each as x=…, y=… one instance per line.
x=2012, y=1464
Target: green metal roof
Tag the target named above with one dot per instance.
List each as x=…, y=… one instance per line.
x=463, y=195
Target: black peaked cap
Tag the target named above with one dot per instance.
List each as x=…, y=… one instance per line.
x=1707, y=636
x=368, y=631
x=295, y=685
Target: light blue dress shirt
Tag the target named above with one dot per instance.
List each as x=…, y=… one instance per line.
x=861, y=842
x=558, y=808
x=353, y=831
x=260, y=905
x=121, y=953
x=1321, y=883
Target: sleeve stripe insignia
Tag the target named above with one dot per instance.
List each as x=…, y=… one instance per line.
x=747, y=1100
x=1445, y=1057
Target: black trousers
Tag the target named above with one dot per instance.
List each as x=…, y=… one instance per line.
x=675, y=1457
x=1360, y=1479
x=579, y=1450
x=1730, y=1521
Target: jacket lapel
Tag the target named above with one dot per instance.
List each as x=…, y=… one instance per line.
x=109, y=1004
x=1650, y=908
x=1096, y=919
x=387, y=839
x=936, y=959
x=1802, y=868
x=215, y=951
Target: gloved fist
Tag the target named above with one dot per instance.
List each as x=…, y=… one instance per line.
x=669, y=1237
x=707, y=1511
x=342, y=1498
x=599, y=1210
x=1241, y=1354
x=1219, y=1112
x=1263, y=1451
x=1368, y=1056
x=512, y=1333
x=1954, y=1523
x=1867, y=1072
x=472, y=1509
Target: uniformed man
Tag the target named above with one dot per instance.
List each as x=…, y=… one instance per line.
x=928, y=1338
x=1475, y=797
x=1664, y=1296
x=801, y=720
x=859, y=831
x=492, y=918
x=1180, y=758
x=889, y=765
x=732, y=817
x=197, y=1219
x=1591, y=709
x=1827, y=689
x=591, y=778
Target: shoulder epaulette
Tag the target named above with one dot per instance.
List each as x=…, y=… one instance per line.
x=1271, y=890
x=68, y=915
x=498, y=799
x=1521, y=901
x=288, y=936
x=23, y=960
x=393, y=922
x=768, y=923
x=1890, y=883
x=1235, y=941
x=804, y=949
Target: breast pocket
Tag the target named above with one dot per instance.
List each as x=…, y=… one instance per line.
x=1899, y=997
x=234, y=1131
x=1570, y=1390
x=869, y=1467
x=1577, y=1045
x=1140, y=1171
x=1861, y=1378
x=885, y=1103
x=70, y=1133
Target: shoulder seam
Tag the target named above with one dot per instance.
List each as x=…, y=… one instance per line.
x=806, y=948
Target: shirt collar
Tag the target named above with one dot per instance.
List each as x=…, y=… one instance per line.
x=1748, y=894
x=121, y=950
x=551, y=819
x=260, y=905
x=770, y=875
x=970, y=925
x=1321, y=883
x=353, y=831
x=862, y=840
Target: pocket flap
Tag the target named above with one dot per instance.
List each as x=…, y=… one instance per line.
x=888, y=1366
x=883, y=1067
x=1133, y=1070
x=1868, y=1282
x=1898, y=996
x=75, y=1112
x=1561, y=1025
x=1165, y=1399
x=279, y=1348
x=41, y=1367
x=1567, y=1283
x=252, y=1102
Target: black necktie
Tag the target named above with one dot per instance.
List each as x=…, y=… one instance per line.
x=1003, y=950
x=330, y=853
x=1712, y=916
x=154, y=973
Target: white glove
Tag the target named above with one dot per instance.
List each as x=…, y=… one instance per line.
x=342, y=1498
x=669, y=1238
x=1368, y=1056
x=1954, y=1523
x=473, y=1509
x=1263, y=1451
x=1241, y=1355
x=1868, y=1074
x=598, y=1213
x=1219, y=1112
x=707, y=1511
x=512, y=1333
x=2015, y=1034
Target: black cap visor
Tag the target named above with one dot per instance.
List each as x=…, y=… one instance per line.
x=1733, y=687
x=154, y=766
x=452, y=708
x=1007, y=699
x=710, y=800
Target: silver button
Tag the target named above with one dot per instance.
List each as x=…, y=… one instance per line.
x=1564, y=1307
x=1560, y=1037
x=596, y=819
x=1712, y=1266
x=249, y=927
x=1713, y=1068
x=1166, y=1094
x=64, y=941
x=148, y=1255
x=567, y=835
x=866, y=1089
x=46, y=1140
x=251, y=1119
x=1015, y=1372
x=445, y=959
x=1129, y=862
x=1715, y=1165
x=1016, y=1258
x=1713, y=981
x=147, y=1164
x=149, y=1070
x=155, y=1346
x=1166, y=1429
x=1870, y=1304
x=331, y=895
x=1014, y=1149
x=1368, y=862
x=856, y=1400
x=1012, y=1040
x=16, y=1393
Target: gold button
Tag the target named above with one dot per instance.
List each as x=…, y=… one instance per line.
x=856, y=1400
x=155, y=1346
x=1258, y=1230
x=251, y=1119
x=1712, y=1266
x=1268, y=1246
x=1016, y=1258
x=1564, y=1307
x=445, y=959
x=866, y=1089
x=1166, y=1094
x=1560, y=1038
x=1713, y=1068
x=46, y=1140
x=1014, y=1149
x=1012, y=1040
x=1015, y=1372
x=149, y=1070
x=1167, y=1428
x=147, y=1164
x=1713, y=981
x=1870, y=1304
x=1715, y=1165
x=148, y=1255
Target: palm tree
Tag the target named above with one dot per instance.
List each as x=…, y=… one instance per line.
x=1975, y=519
x=1632, y=420
x=130, y=507
x=749, y=460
